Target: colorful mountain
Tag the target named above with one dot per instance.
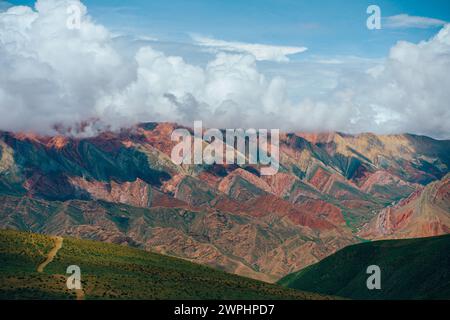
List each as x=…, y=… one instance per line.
x=424, y=213
x=123, y=188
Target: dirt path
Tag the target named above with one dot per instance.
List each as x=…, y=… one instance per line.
x=51, y=255
x=80, y=294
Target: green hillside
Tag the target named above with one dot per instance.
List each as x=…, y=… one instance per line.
x=410, y=269
x=117, y=272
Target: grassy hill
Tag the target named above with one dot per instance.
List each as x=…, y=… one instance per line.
x=410, y=269
x=117, y=272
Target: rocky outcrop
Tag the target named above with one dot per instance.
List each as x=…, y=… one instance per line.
x=424, y=213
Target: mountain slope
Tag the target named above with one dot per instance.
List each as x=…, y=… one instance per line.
x=122, y=187
x=117, y=272
x=231, y=242
x=424, y=213
x=410, y=269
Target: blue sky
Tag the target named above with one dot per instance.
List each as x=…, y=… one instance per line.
x=326, y=27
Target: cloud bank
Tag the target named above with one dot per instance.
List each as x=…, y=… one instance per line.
x=79, y=82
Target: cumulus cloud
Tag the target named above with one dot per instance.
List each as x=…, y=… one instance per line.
x=51, y=75
x=57, y=78
x=409, y=91
x=407, y=21
x=260, y=51
x=81, y=81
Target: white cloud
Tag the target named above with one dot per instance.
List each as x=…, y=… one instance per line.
x=260, y=51
x=408, y=92
x=145, y=38
x=51, y=75
x=407, y=21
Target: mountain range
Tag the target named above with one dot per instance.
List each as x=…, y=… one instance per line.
x=332, y=190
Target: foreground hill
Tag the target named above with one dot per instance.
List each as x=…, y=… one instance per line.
x=116, y=272
x=410, y=269
x=122, y=187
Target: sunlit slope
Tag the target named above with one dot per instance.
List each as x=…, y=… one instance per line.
x=426, y=212
x=117, y=272
x=122, y=187
x=410, y=269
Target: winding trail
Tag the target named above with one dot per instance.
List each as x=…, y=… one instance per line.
x=80, y=294
x=51, y=255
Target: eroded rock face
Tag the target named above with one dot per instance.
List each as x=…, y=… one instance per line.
x=425, y=213
x=136, y=193
x=382, y=180
x=264, y=248
x=123, y=188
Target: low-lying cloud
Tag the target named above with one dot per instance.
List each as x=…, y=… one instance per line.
x=79, y=82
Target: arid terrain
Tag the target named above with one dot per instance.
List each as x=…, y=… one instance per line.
x=332, y=190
